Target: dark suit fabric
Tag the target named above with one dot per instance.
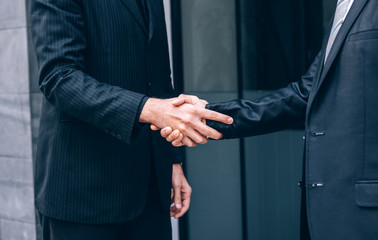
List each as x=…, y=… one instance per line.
x=153, y=223
x=337, y=102
x=98, y=61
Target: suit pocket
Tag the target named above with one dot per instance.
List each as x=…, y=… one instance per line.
x=367, y=193
x=365, y=35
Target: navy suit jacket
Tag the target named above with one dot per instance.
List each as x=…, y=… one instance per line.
x=98, y=61
x=338, y=104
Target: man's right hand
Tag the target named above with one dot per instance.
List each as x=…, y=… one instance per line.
x=183, y=116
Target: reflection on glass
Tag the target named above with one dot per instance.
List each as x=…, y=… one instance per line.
x=209, y=45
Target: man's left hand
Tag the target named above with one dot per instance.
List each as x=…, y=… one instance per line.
x=181, y=192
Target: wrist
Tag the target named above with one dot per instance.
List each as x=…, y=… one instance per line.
x=177, y=167
x=149, y=110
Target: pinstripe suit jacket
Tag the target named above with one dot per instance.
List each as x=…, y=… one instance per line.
x=97, y=63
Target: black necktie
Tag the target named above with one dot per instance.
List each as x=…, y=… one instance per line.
x=144, y=9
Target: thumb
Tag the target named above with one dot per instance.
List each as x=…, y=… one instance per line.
x=177, y=197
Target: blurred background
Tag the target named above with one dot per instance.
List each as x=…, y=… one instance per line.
x=220, y=50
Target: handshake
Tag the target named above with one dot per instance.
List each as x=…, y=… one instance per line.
x=182, y=120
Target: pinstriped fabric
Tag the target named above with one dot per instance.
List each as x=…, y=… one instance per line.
x=96, y=62
x=132, y=5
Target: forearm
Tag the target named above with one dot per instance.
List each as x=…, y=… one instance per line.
x=104, y=106
x=58, y=33
x=280, y=110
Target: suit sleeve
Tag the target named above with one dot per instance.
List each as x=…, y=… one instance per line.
x=285, y=108
x=58, y=34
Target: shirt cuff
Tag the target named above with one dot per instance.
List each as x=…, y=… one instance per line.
x=140, y=108
x=179, y=155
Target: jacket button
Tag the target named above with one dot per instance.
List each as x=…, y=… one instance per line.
x=149, y=84
x=315, y=185
x=119, y=137
x=318, y=134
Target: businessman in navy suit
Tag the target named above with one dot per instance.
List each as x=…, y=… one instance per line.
x=104, y=73
x=337, y=103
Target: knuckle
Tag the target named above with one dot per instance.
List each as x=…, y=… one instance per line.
x=181, y=128
x=208, y=133
x=192, y=109
x=186, y=120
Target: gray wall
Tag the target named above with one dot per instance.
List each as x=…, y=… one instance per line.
x=16, y=184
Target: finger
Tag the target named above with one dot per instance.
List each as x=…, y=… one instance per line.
x=154, y=127
x=215, y=116
x=205, y=138
x=184, y=209
x=172, y=208
x=177, y=197
x=185, y=202
x=188, y=142
x=178, y=102
x=173, y=136
x=185, y=99
x=195, y=136
x=205, y=130
x=178, y=141
x=165, y=132
x=204, y=102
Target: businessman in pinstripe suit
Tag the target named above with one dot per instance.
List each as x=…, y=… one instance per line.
x=104, y=72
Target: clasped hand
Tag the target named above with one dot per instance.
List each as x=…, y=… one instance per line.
x=193, y=129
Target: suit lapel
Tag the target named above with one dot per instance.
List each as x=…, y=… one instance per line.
x=324, y=47
x=133, y=8
x=152, y=10
x=320, y=68
x=355, y=11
